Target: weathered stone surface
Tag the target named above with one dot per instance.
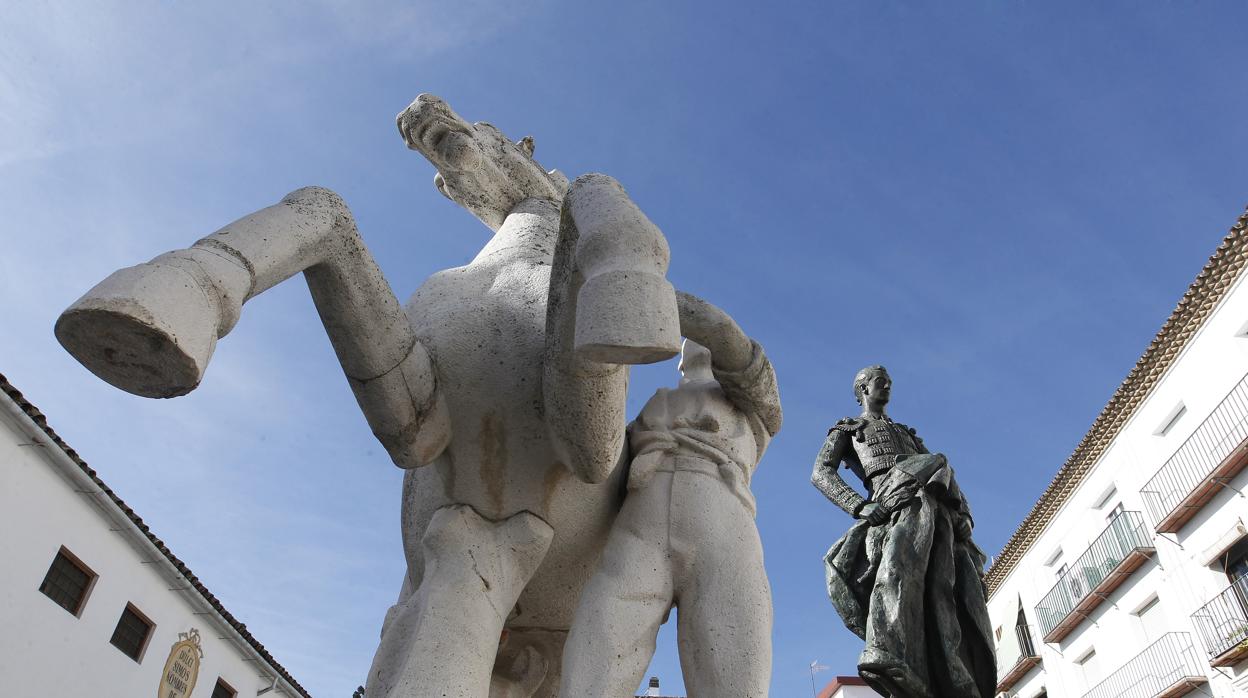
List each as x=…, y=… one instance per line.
x=475, y=570
x=476, y=379
x=906, y=577
x=686, y=535
x=626, y=311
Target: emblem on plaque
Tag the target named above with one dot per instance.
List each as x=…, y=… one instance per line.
x=182, y=667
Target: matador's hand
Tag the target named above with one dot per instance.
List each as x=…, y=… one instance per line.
x=873, y=514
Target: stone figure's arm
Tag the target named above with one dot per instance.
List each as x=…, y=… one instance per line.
x=151, y=329
x=827, y=479
x=738, y=362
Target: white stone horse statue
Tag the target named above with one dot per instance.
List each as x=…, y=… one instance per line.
x=500, y=387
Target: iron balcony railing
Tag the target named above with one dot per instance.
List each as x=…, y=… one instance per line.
x=1168, y=667
x=1120, y=549
x=1016, y=655
x=1223, y=624
x=1192, y=475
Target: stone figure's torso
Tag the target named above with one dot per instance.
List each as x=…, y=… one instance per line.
x=703, y=421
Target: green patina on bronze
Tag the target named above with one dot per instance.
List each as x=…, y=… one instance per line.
x=906, y=577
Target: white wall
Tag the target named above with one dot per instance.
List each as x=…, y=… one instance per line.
x=855, y=692
x=46, y=651
x=1215, y=360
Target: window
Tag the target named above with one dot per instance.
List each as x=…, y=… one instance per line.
x=223, y=690
x=1118, y=509
x=1106, y=497
x=1073, y=587
x=1152, y=622
x=1235, y=560
x=1087, y=665
x=1171, y=419
x=1020, y=625
x=68, y=582
x=132, y=633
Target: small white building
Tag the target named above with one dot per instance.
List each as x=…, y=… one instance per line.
x=1127, y=579
x=91, y=602
x=847, y=687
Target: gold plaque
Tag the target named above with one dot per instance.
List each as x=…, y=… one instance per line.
x=182, y=668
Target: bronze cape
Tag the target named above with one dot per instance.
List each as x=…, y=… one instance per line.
x=913, y=591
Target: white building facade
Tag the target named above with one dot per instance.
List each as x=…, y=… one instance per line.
x=91, y=602
x=1127, y=579
x=847, y=687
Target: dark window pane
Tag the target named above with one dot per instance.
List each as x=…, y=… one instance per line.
x=1236, y=560
x=66, y=583
x=222, y=690
x=131, y=633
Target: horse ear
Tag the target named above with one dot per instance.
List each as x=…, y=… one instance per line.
x=527, y=145
x=560, y=180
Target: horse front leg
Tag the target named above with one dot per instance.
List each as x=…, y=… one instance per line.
x=151, y=329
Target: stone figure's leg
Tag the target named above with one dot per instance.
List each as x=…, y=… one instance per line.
x=724, y=599
x=396, y=635
x=474, y=570
x=625, y=602
x=151, y=329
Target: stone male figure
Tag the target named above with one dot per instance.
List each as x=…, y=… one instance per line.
x=686, y=536
x=906, y=577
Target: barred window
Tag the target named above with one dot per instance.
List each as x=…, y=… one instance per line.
x=132, y=633
x=223, y=690
x=68, y=582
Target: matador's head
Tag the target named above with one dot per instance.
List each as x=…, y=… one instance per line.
x=872, y=385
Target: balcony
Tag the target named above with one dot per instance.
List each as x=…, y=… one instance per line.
x=1223, y=624
x=1207, y=461
x=1168, y=668
x=1121, y=548
x=1016, y=655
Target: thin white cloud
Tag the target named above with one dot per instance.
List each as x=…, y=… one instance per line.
x=70, y=73
x=90, y=95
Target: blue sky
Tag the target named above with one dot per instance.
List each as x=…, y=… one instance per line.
x=1000, y=201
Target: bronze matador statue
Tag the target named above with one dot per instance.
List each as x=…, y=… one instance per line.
x=906, y=577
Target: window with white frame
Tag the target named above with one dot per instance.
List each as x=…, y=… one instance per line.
x=1114, y=512
x=1088, y=668
x=1172, y=418
x=1151, y=618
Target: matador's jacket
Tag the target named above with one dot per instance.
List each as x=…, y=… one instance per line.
x=911, y=587
x=878, y=442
